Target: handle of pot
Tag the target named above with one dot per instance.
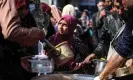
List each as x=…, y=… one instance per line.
x=51, y=46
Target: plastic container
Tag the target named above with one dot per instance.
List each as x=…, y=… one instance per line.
x=42, y=65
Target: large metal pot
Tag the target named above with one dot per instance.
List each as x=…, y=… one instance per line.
x=53, y=77
x=82, y=77
x=64, y=77
x=99, y=66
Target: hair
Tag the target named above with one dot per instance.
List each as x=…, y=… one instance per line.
x=116, y=4
x=100, y=1
x=86, y=11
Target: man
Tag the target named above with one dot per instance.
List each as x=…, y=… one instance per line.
x=13, y=34
x=97, y=22
x=108, y=5
x=124, y=47
x=110, y=26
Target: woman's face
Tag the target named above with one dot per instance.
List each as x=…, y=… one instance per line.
x=62, y=27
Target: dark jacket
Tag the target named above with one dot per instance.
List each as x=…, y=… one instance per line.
x=96, y=27
x=108, y=31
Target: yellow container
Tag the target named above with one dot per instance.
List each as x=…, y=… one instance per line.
x=65, y=53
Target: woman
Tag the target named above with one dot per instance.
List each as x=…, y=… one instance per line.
x=66, y=27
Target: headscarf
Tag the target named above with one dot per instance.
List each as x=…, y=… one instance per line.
x=22, y=7
x=55, y=12
x=71, y=21
x=58, y=38
x=46, y=8
x=69, y=10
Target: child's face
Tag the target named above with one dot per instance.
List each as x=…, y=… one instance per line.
x=62, y=27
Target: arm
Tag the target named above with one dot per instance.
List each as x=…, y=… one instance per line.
x=129, y=62
x=100, y=18
x=96, y=20
x=10, y=24
x=113, y=64
x=102, y=47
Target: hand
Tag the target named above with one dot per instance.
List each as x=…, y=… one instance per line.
x=129, y=62
x=99, y=78
x=88, y=59
x=78, y=66
x=54, y=53
x=25, y=63
x=102, y=13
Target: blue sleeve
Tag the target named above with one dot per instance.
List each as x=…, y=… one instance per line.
x=125, y=43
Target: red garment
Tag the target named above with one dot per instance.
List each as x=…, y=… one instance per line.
x=21, y=3
x=46, y=8
x=22, y=6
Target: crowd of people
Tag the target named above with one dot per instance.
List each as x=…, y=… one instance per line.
x=26, y=22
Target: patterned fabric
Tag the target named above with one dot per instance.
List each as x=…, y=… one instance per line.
x=42, y=19
x=81, y=50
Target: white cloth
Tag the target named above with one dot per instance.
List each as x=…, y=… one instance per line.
x=69, y=10
x=40, y=48
x=97, y=78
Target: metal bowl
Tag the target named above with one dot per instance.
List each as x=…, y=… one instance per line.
x=100, y=65
x=64, y=77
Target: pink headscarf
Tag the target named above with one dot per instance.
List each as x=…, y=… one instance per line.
x=58, y=38
x=71, y=21
x=46, y=8
x=55, y=12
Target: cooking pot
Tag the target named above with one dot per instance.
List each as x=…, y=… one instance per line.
x=99, y=66
x=124, y=71
x=64, y=77
x=53, y=77
x=66, y=53
x=83, y=77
